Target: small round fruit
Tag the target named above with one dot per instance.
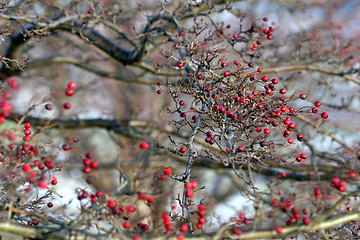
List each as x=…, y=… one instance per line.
x=267, y=131
x=303, y=96
x=324, y=115
x=67, y=105
x=283, y=90
x=167, y=171
x=48, y=107
x=144, y=145
x=69, y=92
x=72, y=85
x=111, y=204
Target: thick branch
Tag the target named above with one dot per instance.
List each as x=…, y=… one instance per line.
x=310, y=68
x=129, y=128
x=61, y=60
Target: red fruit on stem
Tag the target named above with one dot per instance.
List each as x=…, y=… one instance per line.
x=111, y=204
x=324, y=115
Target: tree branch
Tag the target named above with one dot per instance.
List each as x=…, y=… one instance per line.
x=64, y=60
x=323, y=131
x=310, y=68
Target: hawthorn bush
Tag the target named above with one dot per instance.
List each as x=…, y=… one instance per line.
x=123, y=120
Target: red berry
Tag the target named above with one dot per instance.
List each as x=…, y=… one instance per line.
x=98, y=194
x=182, y=150
x=303, y=156
x=352, y=174
x=241, y=148
x=267, y=131
x=75, y=139
x=94, y=165
x=144, y=145
x=306, y=221
x=201, y=207
x=111, y=204
x=43, y=184
x=48, y=107
x=299, y=137
x=86, y=170
x=278, y=229
x=180, y=64
x=27, y=132
x=317, y=103
x=26, y=168
x=72, y=85
x=67, y=105
x=290, y=140
x=184, y=228
x=201, y=220
x=69, y=92
x=180, y=237
x=226, y=74
x=131, y=208
x=315, y=110
x=303, y=96
x=336, y=181
x=126, y=225
x=26, y=138
x=86, y=162
x=292, y=125
x=167, y=171
x=194, y=184
x=283, y=90
x=90, y=11
x=324, y=115
x=189, y=193
x=27, y=125
x=159, y=91
x=265, y=19
x=65, y=147
x=13, y=83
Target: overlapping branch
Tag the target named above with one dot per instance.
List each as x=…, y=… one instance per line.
x=133, y=128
